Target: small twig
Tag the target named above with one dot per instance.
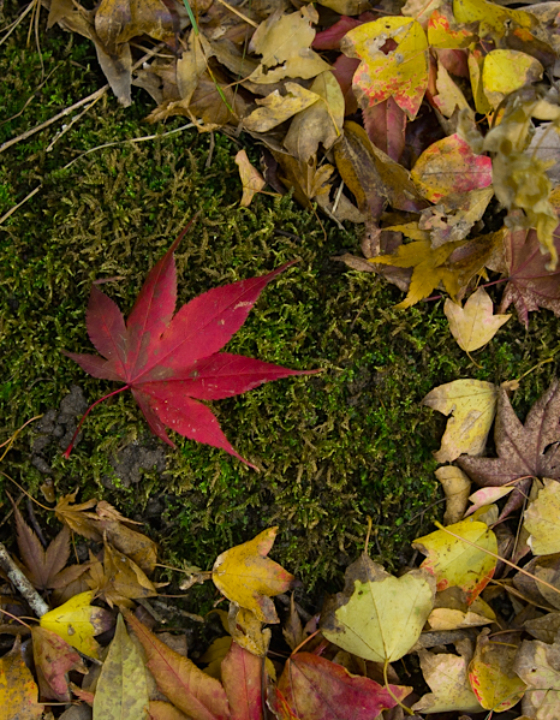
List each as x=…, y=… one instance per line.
x=28, y=592
x=11, y=211
x=64, y=129
x=239, y=14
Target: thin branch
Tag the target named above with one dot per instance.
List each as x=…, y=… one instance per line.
x=28, y=592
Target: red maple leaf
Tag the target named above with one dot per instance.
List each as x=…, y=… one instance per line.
x=172, y=361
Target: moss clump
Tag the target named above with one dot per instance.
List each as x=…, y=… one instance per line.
x=334, y=448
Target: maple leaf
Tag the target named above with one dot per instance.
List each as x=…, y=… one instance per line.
x=246, y=576
x=530, y=285
x=524, y=451
x=172, y=361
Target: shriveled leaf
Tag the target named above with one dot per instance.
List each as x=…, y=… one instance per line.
x=378, y=617
x=18, y=690
x=454, y=562
x=475, y=324
x=456, y=486
x=446, y=674
x=247, y=630
x=472, y=404
x=491, y=673
x=402, y=73
x=122, y=689
x=251, y=179
x=284, y=41
x=77, y=622
x=449, y=166
x=246, y=576
x=192, y=691
x=314, y=687
x=275, y=108
x=54, y=659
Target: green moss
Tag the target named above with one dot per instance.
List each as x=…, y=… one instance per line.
x=334, y=448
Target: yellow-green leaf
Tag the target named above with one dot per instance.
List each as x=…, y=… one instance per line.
x=378, y=617
x=542, y=519
x=505, y=71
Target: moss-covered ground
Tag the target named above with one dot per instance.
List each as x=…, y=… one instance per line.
x=334, y=448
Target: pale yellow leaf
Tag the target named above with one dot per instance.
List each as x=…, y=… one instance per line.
x=542, y=519
x=473, y=325
x=251, y=179
x=456, y=486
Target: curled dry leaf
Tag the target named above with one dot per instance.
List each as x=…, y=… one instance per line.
x=251, y=179
x=456, y=486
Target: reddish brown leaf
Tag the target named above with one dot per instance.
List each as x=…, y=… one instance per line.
x=242, y=679
x=42, y=565
x=192, y=691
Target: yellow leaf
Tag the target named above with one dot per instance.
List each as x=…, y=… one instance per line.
x=472, y=404
x=18, y=690
x=446, y=675
x=452, y=612
x=122, y=689
x=247, y=577
x=476, y=62
x=276, y=108
x=454, y=562
x=284, y=41
x=493, y=19
x=542, y=519
x=505, y=71
x=429, y=269
x=449, y=97
x=319, y=123
x=475, y=324
x=378, y=617
x=491, y=674
x=251, y=179
x=456, y=486
x=402, y=73
x=77, y=622
x=444, y=32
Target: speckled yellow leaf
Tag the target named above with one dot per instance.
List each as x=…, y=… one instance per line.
x=18, y=690
x=455, y=563
x=475, y=324
x=276, y=108
x=472, y=405
x=77, y=622
x=444, y=32
x=247, y=577
x=505, y=71
x=492, y=18
x=542, y=519
x=402, y=73
x=491, y=674
x=378, y=617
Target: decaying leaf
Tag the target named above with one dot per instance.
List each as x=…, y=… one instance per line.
x=471, y=404
x=18, y=690
x=251, y=179
x=378, y=617
x=538, y=665
x=475, y=324
x=541, y=519
x=54, y=659
x=456, y=486
x=246, y=576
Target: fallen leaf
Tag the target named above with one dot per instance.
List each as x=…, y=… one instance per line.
x=449, y=166
x=122, y=689
x=401, y=73
x=160, y=710
x=491, y=673
x=505, y=71
x=446, y=674
x=541, y=519
x=117, y=21
x=385, y=124
x=18, y=690
x=487, y=496
x=247, y=630
x=493, y=19
x=251, y=179
x=54, y=658
x=452, y=611
x=538, y=665
x=167, y=360
x=455, y=563
x=242, y=676
x=378, y=617
x=118, y=579
x=284, y=41
x=314, y=687
x=275, y=108
x=475, y=324
x=471, y=404
x=524, y=451
x=246, y=576
x=456, y=486
x=77, y=622
x=530, y=285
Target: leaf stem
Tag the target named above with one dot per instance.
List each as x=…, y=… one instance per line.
x=406, y=709
x=87, y=412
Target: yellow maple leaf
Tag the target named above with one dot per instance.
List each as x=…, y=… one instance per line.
x=402, y=73
x=77, y=621
x=475, y=324
x=246, y=576
x=471, y=404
